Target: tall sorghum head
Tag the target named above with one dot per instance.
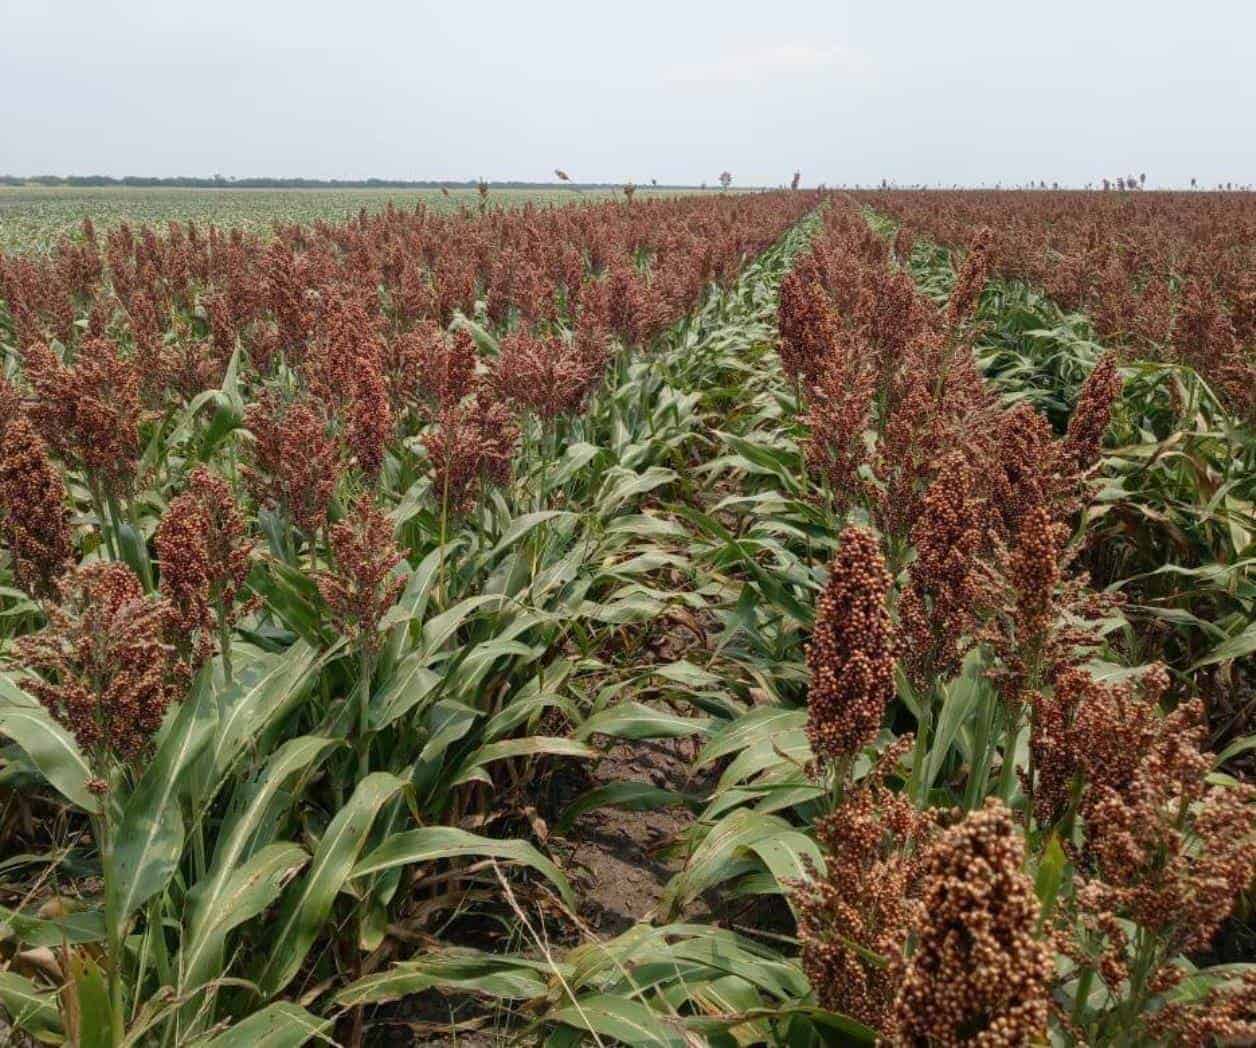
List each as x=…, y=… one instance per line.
x=904, y=244
x=1033, y=571
x=1090, y=732
x=498, y=437
x=892, y=315
x=592, y=353
x=851, y=652
x=185, y=368
x=853, y=921
x=368, y=421
x=1044, y=621
x=10, y=403
x=102, y=669
x=89, y=412
x=446, y=364
x=361, y=585
x=1204, y=338
x=1165, y=848
x=453, y=447
x=287, y=298
x=345, y=368
x=949, y=583
x=1226, y=1014
x=978, y=973
x=923, y=417
x=296, y=463
x=1027, y=467
x=228, y=548
x=181, y=540
x=838, y=412
x=471, y=443
x=204, y=560
x=545, y=376
x=34, y=518
x=971, y=278
x=807, y=323
x=1092, y=414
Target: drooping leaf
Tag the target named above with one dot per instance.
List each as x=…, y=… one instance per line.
x=530, y=746
x=623, y=1019
x=249, y=890
x=635, y=720
x=307, y=902
x=50, y=747
x=448, y=842
x=149, y=838
x=631, y=796
x=508, y=978
x=282, y=1025
x=73, y=928
x=30, y=1008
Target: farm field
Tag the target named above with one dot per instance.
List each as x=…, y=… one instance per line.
x=35, y=217
x=794, y=618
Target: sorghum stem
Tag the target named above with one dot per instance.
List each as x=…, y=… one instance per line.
x=364, y=709
x=1007, y=774
x=104, y=840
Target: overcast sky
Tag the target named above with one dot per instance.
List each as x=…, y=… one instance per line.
x=969, y=91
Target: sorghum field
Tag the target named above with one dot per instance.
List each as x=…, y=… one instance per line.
x=792, y=619
x=36, y=217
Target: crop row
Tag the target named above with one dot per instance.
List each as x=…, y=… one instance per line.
x=1022, y=825
x=304, y=539
x=1163, y=276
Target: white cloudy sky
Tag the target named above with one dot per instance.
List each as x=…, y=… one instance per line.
x=966, y=91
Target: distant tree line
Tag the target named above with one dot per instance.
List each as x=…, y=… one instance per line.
x=221, y=182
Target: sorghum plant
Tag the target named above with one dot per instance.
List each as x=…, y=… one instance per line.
x=104, y=668
x=851, y=653
x=101, y=668
x=949, y=583
x=855, y=920
x=838, y=413
x=359, y=588
x=89, y=414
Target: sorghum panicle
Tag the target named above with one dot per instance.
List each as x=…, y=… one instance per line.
x=1097, y=727
x=1165, y=848
x=104, y=671
x=838, y=412
x=1092, y=414
x=851, y=652
x=204, y=559
x=978, y=973
x=971, y=279
x=1027, y=467
x=89, y=413
x=1046, y=621
x=362, y=586
x=1226, y=1014
x=950, y=585
x=34, y=515
x=546, y=376
x=866, y=902
x=807, y=323
x=447, y=364
x=181, y=541
x=471, y=442
x=296, y=463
